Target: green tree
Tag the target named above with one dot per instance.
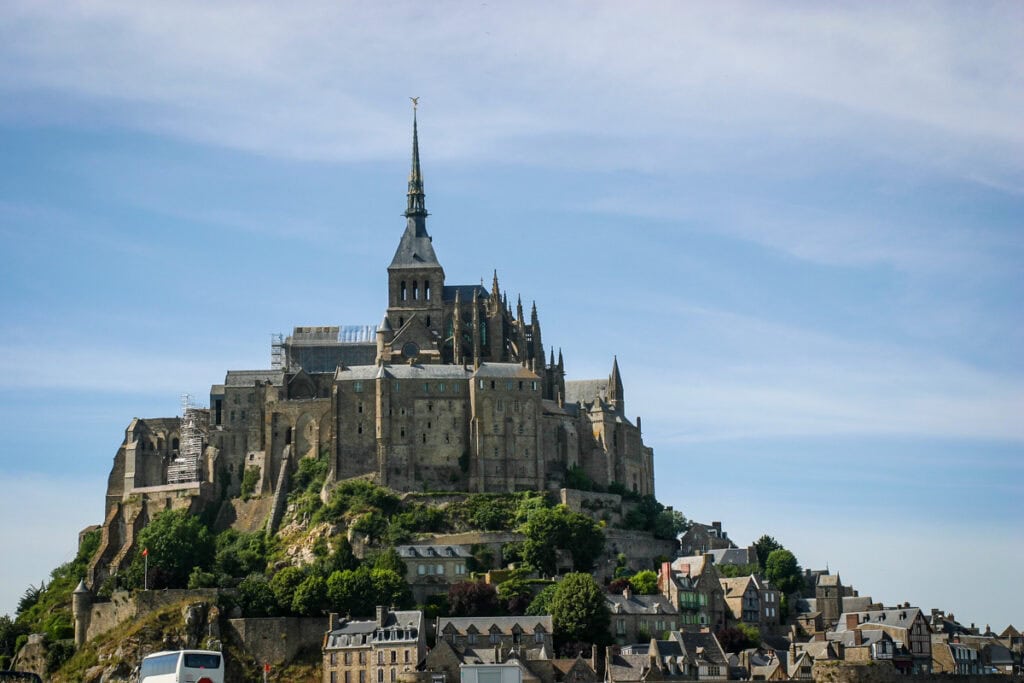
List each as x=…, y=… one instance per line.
x=731, y=571
x=541, y=603
x=310, y=598
x=390, y=559
x=351, y=591
x=645, y=582
x=668, y=524
x=176, y=542
x=578, y=610
x=764, y=547
x=390, y=588
x=284, y=584
x=548, y=529
x=782, y=570
x=256, y=598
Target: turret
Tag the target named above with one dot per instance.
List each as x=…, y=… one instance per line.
x=81, y=605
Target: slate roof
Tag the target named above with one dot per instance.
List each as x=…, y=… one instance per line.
x=694, y=563
x=504, y=624
x=585, y=390
x=433, y=551
x=733, y=556
x=639, y=604
x=465, y=293
x=415, y=249
x=869, y=636
x=361, y=633
x=857, y=604
x=901, y=617
x=248, y=378
x=628, y=667
x=828, y=580
x=505, y=370
x=704, y=645
x=400, y=371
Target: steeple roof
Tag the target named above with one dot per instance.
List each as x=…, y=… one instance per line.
x=415, y=249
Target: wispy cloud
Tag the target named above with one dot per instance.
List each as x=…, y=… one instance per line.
x=322, y=81
x=748, y=378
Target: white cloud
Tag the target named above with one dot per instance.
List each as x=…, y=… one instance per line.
x=747, y=378
x=327, y=80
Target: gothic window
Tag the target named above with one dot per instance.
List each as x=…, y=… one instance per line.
x=415, y=290
x=426, y=293
x=404, y=293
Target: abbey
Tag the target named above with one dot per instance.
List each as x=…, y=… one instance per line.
x=452, y=391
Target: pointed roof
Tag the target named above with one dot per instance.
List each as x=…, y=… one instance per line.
x=615, y=389
x=415, y=249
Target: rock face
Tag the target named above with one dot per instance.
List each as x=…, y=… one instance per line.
x=32, y=656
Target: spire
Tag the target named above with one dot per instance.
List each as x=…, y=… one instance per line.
x=616, y=394
x=415, y=249
x=416, y=206
x=495, y=291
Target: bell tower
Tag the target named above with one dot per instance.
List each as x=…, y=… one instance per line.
x=415, y=277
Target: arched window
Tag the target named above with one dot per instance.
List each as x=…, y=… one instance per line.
x=426, y=291
x=405, y=294
x=415, y=290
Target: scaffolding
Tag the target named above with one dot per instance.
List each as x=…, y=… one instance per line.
x=184, y=468
x=277, y=351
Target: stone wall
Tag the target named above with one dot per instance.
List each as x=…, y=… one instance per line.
x=600, y=506
x=123, y=605
x=278, y=639
x=884, y=672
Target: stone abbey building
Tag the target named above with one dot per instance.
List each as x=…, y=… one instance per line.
x=452, y=391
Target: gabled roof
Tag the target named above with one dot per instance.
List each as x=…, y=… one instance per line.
x=485, y=624
x=704, y=645
x=465, y=293
x=505, y=371
x=900, y=617
x=639, y=604
x=734, y=556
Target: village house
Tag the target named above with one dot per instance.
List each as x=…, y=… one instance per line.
x=432, y=569
x=373, y=651
x=638, y=618
x=907, y=627
x=695, y=574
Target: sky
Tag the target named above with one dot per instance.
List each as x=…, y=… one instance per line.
x=799, y=226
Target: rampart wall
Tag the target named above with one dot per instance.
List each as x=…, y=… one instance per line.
x=278, y=639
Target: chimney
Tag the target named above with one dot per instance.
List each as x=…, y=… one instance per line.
x=858, y=638
x=381, y=614
x=626, y=592
x=666, y=576
x=851, y=621
x=333, y=621
x=718, y=527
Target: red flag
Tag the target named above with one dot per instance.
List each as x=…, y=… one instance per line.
x=145, y=552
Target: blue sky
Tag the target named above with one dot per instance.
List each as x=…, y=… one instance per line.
x=798, y=226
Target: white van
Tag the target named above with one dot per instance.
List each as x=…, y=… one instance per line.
x=183, y=666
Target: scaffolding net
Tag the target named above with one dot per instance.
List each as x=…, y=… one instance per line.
x=184, y=468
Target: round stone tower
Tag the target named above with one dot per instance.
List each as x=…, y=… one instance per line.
x=81, y=605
